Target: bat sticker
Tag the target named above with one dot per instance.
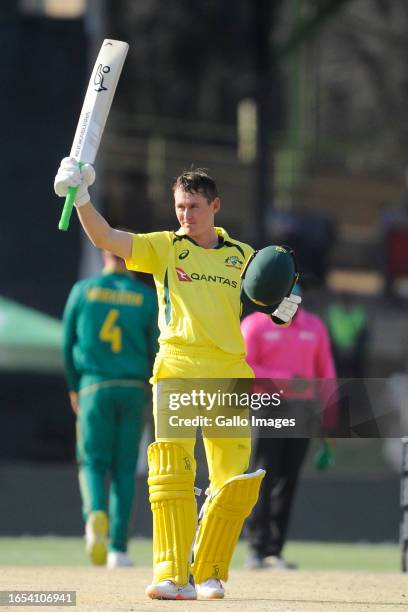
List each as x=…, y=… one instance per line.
x=99, y=77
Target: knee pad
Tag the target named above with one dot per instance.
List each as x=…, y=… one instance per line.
x=174, y=508
x=221, y=524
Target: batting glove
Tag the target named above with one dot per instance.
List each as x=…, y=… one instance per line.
x=287, y=308
x=70, y=174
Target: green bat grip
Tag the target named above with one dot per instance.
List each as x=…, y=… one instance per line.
x=68, y=206
x=67, y=210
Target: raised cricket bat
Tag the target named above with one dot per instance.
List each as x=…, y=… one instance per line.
x=98, y=99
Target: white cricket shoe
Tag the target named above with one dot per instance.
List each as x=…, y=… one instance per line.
x=211, y=588
x=167, y=589
x=96, y=535
x=116, y=558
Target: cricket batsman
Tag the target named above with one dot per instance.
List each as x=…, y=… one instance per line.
x=197, y=271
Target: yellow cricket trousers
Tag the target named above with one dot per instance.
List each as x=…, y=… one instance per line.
x=226, y=456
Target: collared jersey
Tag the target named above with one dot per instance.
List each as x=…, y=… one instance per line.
x=198, y=289
x=301, y=350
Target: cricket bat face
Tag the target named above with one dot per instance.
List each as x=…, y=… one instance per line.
x=98, y=100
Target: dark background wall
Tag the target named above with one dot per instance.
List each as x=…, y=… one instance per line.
x=36, y=420
x=333, y=508
x=43, y=73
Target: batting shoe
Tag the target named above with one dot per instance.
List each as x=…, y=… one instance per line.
x=211, y=589
x=96, y=534
x=167, y=589
x=117, y=558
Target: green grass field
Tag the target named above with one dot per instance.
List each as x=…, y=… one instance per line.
x=53, y=551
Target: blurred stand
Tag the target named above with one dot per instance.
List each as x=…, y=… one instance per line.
x=310, y=234
x=43, y=68
x=394, y=228
x=44, y=74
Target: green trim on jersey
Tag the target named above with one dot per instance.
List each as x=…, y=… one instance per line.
x=167, y=299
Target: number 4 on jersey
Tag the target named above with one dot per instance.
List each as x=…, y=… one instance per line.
x=110, y=332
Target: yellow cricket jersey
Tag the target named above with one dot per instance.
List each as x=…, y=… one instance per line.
x=198, y=289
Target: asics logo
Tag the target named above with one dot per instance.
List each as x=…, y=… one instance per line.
x=184, y=254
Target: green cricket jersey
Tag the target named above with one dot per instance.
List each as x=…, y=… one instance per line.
x=110, y=329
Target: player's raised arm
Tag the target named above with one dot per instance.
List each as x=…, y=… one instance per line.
x=100, y=233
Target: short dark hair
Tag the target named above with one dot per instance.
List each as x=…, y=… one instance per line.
x=197, y=180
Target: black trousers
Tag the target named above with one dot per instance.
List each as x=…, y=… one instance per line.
x=282, y=459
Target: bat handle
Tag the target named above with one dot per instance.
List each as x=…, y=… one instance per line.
x=68, y=206
x=67, y=210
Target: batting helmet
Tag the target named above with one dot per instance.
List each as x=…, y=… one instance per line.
x=268, y=277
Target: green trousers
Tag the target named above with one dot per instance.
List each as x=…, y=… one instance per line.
x=109, y=427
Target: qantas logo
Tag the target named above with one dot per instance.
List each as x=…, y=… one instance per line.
x=209, y=278
x=183, y=276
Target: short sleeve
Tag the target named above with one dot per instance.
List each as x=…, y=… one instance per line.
x=149, y=252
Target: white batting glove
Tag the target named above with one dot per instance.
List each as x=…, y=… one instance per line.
x=71, y=175
x=287, y=308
